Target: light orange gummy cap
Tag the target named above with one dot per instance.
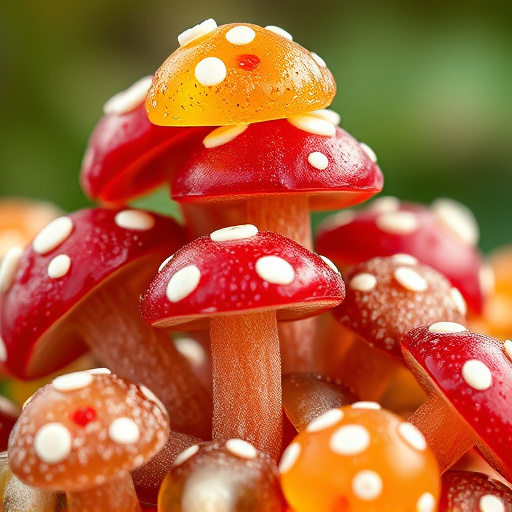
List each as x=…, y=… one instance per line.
x=238, y=73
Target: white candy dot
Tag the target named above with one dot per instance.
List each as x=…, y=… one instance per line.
x=124, y=431
x=426, y=503
x=3, y=351
x=59, y=266
x=164, y=263
x=363, y=282
x=458, y=300
x=327, y=115
x=51, y=236
x=192, y=350
x=318, y=160
x=412, y=436
x=458, y=219
x=223, y=135
x=487, y=279
x=9, y=266
x=367, y=485
x=329, y=263
x=132, y=219
x=507, y=346
x=337, y=220
x=275, y=270
x=185, y=454
x=325, y=420
x=210, y=71
x=289, y=457
x=385, y=204
x=350, y=440
x=72, y=381
x=446, y=328
x=313, y=124
x=183, y=283
x=369, y=151
x=405, y=259
x=240, y=35
x=234, y=233
x=151, y=396
x=410, y=279
x=490, y=503
x=476, y=374
x=318, y=60
x=52, y=443
x=397, y=223
x=366, y=405
x=197, y=31
x=125, y=101
x=280, y=32
x=241, y=448
x=99, y=371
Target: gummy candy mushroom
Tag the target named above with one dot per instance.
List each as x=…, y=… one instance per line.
x=216, y=475
x=468, y=380
x=239, y=282
x=360, y=458
x=467, y=491
x=237, y=73
x=82, y=434
x=77, y=286
x=127, y=156
x=443, y=236
x=386, y=298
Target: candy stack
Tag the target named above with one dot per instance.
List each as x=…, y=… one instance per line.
x=235, y=123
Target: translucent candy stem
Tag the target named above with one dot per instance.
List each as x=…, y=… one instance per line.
x=247, y=380
x=116, y=496
x=446, y=433
x=20, y=497
x=290, y=217
x=123, y=341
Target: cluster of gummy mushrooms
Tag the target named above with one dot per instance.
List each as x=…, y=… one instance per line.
x=218, y=364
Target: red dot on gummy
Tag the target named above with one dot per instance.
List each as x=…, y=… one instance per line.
x=248, y=62
x=83, y=416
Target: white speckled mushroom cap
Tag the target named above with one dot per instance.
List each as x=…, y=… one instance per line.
x=85, y=429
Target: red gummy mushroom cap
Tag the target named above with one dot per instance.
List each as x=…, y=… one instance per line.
x=69, y=259
x=237, y=270
x=387, y=297
x=305, y=154
x=127, y=156
x=473, y=373
x=443, y=236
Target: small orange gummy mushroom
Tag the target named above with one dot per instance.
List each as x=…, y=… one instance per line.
x=360, y=458
x=237, y=73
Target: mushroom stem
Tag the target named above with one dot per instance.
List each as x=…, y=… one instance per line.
x=450, y=442
x=132, y=349
x=20, y=497
x=247, y=380
x=289, y=216
x=117, y=495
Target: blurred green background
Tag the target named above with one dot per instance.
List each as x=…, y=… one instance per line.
x=428, y=85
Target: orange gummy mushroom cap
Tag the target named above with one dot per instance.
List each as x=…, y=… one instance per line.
x=360, y=458
x=237, y=73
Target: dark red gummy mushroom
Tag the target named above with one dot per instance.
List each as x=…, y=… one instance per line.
x=239, y=281
x=77, y=286
x=468, y=380
x=443, y=236
x=127, y=156
x=386, y=298
x=272, y=174
x=466, y=491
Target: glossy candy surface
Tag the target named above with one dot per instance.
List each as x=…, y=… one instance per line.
x=230, y=475
x=127, y=156
x=307, y=155
x=387, y=297
x=359, y=459
x=237, y=73
x=85, y=429
x=67, y=260
x=443, y=236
